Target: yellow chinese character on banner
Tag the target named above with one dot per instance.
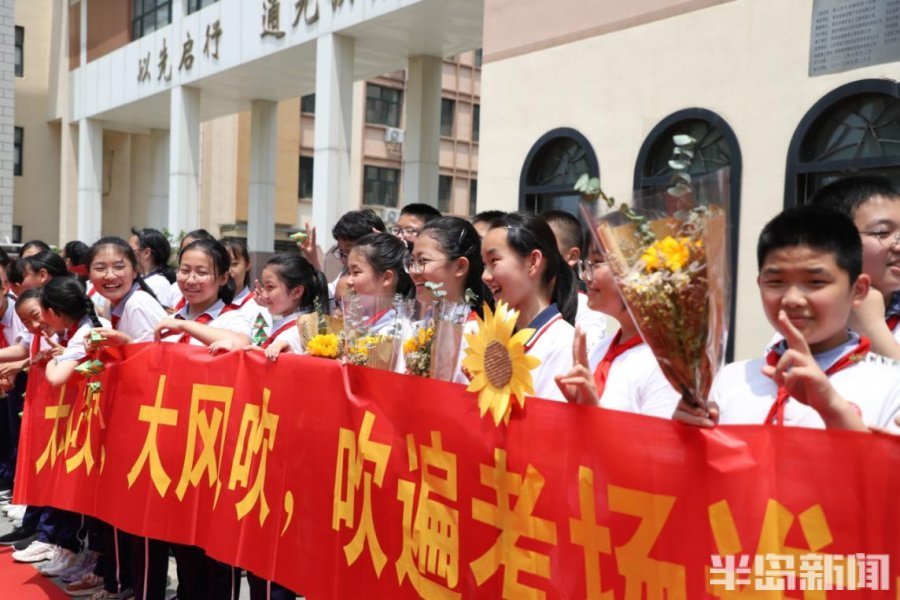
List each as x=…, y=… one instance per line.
x=430, y=526
x=55, y=445
x=80, y=436
x=154, y=416
x=777, y=523
x=353, y=452
x=586, y=533
x=514, y=522
x=210, y=428
x=646, y=577
x=257, y=436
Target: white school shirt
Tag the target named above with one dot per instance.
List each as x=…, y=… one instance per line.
x=175, y=295
x=745, y=395
x=635, y=383
x=137, y=315
x=101, y=304
x=383, y=322
x=161, y=287
x=291, y=333
x=13, y=328
x=231, y=320
x=251, y=309
x=592, y=322
x=552, y=343
x=75, y=349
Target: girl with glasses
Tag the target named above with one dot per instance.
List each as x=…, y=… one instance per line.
x=621, y=372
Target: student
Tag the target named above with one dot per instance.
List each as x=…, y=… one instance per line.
x=11, y=405
x=74, y=254
x=245, y=299
x=152, y=250
x=38, y=269
x=523, y=267
x=32, y=247
x=482, y=221
x=375, y=268
x=207, y=315
x=570, y=239
x=621, y=373
x=875, y=209
x=821, y=374
x=413, y=218
x=175, y=298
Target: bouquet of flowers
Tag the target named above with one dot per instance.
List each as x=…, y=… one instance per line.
x=433, y=350
x=320, y=333
x=669, y=254
x=373, y=330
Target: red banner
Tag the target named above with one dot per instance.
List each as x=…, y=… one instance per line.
x=348, y=482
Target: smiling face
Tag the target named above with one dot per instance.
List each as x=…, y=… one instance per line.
x=276, y=295
x=362, y=278
x=602, y=293
x=510, y=277
x=112, y=274
x=33, y=280
x=815, y=293
x=878, y=221
x=29, y=313
x=238, y=269
x=431, y=264
x=197, y=279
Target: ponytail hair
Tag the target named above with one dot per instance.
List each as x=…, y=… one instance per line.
x=459, y=239
x=386, y=252
x=526, y=233
x=160, y=250
x=66, y=297
x=294, y=270
x=125, y=250
x=221, y=263
x=47, y=261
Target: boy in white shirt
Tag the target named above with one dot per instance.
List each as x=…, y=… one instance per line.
x=821, y=374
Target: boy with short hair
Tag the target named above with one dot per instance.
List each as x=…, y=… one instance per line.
x=821, y=375
x=412, y=219
x=482, y=221
x=874, y=207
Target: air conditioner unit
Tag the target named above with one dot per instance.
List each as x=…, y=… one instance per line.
x=393, y=135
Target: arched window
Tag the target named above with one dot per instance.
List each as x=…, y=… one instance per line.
x=853, y=130
x=717, y=148
x=553, y=165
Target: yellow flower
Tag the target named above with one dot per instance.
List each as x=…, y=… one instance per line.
x=410, y=345
x=324, y=345
x=498, y=364
x=671, y=253
x=425, y=336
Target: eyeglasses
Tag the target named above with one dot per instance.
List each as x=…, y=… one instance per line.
x=339, y=254
x=416, y=266
x=101, y=270
x=198, y=275
x=886, y=238
x=586, y=268
x=405, y=232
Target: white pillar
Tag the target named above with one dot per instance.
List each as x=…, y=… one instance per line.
x=263, y=159
x=421, y=152
x=184, y=153
x=158, y=202
x=90, y=180
x=334, y=119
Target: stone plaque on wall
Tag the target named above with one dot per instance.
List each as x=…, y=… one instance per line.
x=849, y=34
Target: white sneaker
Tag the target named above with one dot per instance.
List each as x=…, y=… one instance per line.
x=10, y=507
x=62, y=560
x=36, y=552
x=17, y=524
x=16, y=512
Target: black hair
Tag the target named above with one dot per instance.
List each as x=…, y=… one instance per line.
x=221, y=263
x=76, y=251
x=29, y=294
x=160, y=250
x=237, y=248
x=39, y=244
x=422, y=211
x=458, y=238
x=570, y=229
x=48, y=261
x=4, y=258
x=526, y=233
x=15, y=273
x=356, y=224
x=66, y=297
x=294, y=270
x=487, y=216
x=125, y=250
x=386, y=252
x=848, y=194
x=814, y=227
x=197, y=234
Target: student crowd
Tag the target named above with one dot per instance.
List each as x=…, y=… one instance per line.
x=829, y=283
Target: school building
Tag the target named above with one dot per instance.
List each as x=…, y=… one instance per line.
x=186, y=113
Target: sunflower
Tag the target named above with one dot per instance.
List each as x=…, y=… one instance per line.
x=498, y=364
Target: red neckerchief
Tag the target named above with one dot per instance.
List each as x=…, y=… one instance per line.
x=114, y=319
x=181, y=304
x=70, y=333
x=892, y=322
x=92, y=292
x=616, y=349
x=776, y=413
x=282, y=329
x=203, y=319
x=377, y=317
x=78, y=270
x=246, y=299
x=3, y=342
x=35, y=345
